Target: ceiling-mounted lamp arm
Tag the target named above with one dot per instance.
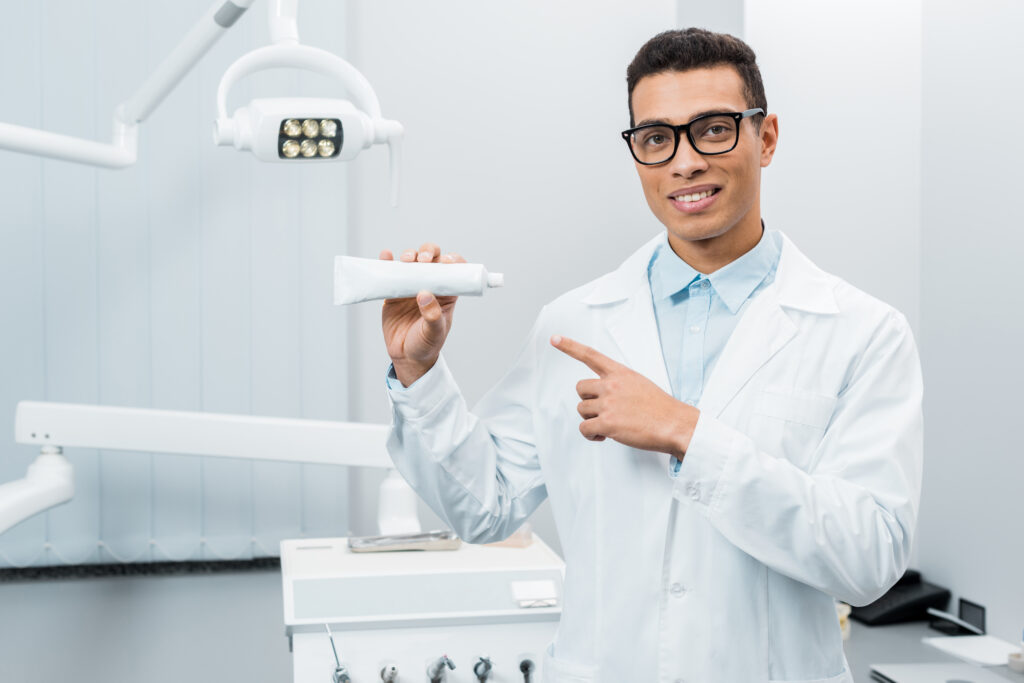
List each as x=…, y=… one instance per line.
x=122, y=150
x=283, y=18
x=196, y=43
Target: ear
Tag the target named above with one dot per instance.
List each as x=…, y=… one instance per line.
x=769, y=138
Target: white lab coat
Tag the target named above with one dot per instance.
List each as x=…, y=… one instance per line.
x=801, y=483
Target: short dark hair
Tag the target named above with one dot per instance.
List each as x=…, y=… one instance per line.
x=697, y=48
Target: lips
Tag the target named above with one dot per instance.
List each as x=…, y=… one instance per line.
x=692, y=200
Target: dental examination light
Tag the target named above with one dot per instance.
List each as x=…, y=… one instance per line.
x=305, y=130
x=289, y=129
x=54, y=426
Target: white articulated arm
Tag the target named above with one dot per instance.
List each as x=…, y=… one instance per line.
x=121, y=151
x=49, y=482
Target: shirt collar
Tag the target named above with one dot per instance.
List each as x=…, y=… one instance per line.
x=734, y=282
x=668, y=272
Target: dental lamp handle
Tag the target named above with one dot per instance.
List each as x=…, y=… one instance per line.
x=391, y=132
x=286, y=55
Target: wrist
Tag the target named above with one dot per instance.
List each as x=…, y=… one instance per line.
x=408, y=372
x=683, y=428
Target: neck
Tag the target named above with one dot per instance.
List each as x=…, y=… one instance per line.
x=708, y=255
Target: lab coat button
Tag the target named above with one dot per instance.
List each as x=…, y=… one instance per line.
x=694, y=328
x=695, y=492
x=677, y=589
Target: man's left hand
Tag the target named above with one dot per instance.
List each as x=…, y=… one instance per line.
x=623, y=405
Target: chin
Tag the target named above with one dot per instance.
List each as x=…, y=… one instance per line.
x=697, y=230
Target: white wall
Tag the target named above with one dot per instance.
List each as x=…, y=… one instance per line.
x=844, y=84
x=513, y=158
x=876, y=182
x=972, y=246
x=197, y=279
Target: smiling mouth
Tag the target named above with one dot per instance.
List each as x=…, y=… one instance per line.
x=695, y=197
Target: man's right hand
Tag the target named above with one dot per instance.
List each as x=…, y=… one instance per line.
x=415, y=328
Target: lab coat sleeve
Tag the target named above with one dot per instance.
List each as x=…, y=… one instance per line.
x=477, y=470
x=846, y=525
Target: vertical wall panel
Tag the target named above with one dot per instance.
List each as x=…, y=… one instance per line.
x=226, y=307
x=22, y=268
x=123, y=290
x=324, y=351
x=171, y=139
x=69, y=225
x=274, y=203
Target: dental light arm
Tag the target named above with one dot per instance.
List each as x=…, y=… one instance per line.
x=48, y=483
x=286, y=129
x=56, y=425
x=122, y=150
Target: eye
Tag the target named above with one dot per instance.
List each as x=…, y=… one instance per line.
x=653, y=138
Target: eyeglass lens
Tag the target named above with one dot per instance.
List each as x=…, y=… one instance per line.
x=710, y=135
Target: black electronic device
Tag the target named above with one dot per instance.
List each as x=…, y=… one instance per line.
x=908, y=600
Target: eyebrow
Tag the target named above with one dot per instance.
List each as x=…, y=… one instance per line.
x=706, y=112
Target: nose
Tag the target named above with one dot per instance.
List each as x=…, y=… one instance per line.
x=687, y=162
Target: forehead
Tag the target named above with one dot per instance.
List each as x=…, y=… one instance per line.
x=677, y=96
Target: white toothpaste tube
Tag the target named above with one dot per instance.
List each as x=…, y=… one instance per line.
x=362, y=279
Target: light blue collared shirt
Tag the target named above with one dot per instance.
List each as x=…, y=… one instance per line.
x=697, y=313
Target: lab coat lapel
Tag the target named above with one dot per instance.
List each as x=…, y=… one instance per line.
x=633, y=327
x=766, y=327
x=761, y=333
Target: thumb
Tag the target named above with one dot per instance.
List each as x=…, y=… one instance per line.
x=430, y=311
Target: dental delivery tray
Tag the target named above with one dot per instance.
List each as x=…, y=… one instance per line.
x=324, y=582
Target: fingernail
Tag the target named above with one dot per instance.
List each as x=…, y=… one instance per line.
x=423, y=298
x=556, y=340
x=426, y=254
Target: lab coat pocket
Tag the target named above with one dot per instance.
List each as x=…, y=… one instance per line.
x=560, y=671
x=790, y=423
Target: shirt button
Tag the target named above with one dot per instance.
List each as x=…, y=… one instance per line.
x=677, y=589
x=695, y=329
x=705, y=284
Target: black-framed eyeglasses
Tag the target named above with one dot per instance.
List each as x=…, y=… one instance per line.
x=656, y=143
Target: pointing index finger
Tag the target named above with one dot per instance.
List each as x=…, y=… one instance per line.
x=592, y=358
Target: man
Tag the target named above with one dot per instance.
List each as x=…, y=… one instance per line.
x=729, y=436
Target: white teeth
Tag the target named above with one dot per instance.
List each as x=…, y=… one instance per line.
x=694, y=197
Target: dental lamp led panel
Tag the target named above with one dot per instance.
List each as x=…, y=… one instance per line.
x=408, y=609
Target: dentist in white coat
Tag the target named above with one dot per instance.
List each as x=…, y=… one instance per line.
x=730, y=437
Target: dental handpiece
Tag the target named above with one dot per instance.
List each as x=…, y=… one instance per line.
x=389, y=674
x=340, y=674
x=482, y=669
x=526, y=668
x=435, y=671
